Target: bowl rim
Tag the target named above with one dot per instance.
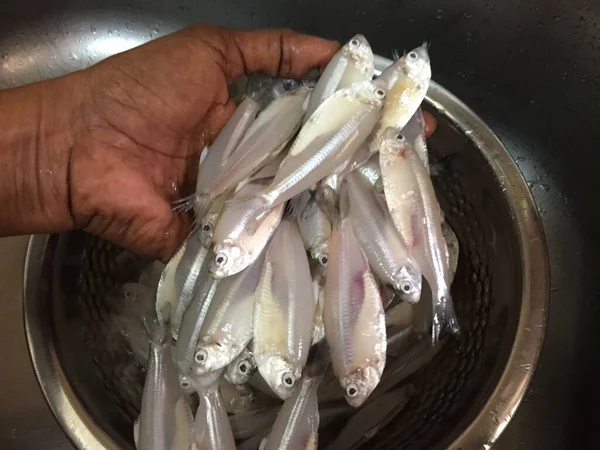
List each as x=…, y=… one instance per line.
x=493, y=417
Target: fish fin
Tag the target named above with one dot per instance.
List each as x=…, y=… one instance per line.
x=136, y=431
x=184, y=204
x=296, y=205
x=445, y=167
x=426, y=45
x=395, y=54
x=156, y=326
x=328, y=200
x=378, y=186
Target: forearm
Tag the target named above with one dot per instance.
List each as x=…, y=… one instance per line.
x=37, y=124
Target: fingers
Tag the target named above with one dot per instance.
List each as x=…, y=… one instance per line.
x=430, y=123
x=279, y=52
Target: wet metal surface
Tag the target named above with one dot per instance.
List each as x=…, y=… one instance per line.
x=528, y=68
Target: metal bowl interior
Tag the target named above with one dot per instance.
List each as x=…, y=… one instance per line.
x=463, y=398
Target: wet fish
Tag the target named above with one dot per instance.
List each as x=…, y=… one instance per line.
x=210, y=220
x=267, y=136
x=315, y=230
x=328, y=140
x=353, y=315
x=284, y=311
x=191, y=326
x=319, y=295
x=387, y=253
x=236, y=248
x=179, y=280
x=227, y=328
x=414, y=133
x=416, y=213
x=165, y=418
x=241, y=369
x=211, y=430
x=407, y=81
x=353, y=63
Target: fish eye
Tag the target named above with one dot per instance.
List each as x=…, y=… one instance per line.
x=406, y=287
x=380, y=93
x=323, y=259
x=221, y=259
x=201, y=356
x=288, y=379
x=207, y=227
x=244, y=367
x=351, y=390
x=128, y=293
x=400, y=137
x=412, y=56
x=354, y=43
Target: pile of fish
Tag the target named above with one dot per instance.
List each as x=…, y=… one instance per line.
x=318, y=243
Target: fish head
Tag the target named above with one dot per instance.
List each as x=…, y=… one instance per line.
x=408, y=282
x=416, y=64
x=211, y=356
x=392, y=141
x=281, y=375
x=207, y=228
x=371, y=93
x=359, y=384
x=241, y=370
x=200, y=381
x=359, y=51
x=186, y=385
x=321, y=256
x=228, y=260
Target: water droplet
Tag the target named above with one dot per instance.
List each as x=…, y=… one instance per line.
x=521, y=51
x=526, y=366
x=4, y=55
x=468, y=36
x=439, y=14
x=73, y=56
x=93, y=29
x=252, y=14
x=557, y=17
x=468, y=14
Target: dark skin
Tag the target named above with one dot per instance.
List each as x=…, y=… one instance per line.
x=108, y=149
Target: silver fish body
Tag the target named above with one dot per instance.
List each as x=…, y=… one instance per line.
x=329, y=139
x=227, y=328
x=211, y=429
x=235, y=246
x=353, y=316
x=165, y=418
x=267, y=136
x=387, y=253
x=191, y=326
x=241, y=369
x=297, y=424
x=283, y=311
x=353, y=63
x=315, y=230
x=414, y=132
x=407, y=81
x=416, y=214
x=179, y=280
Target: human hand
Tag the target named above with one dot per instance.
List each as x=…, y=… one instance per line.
x=148, y=113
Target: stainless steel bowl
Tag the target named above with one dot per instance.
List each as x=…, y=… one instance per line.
x=464, y=397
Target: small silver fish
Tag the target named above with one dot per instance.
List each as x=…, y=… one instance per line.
x=191, y=325
x=227, y=328
x=297, y=424
x=241, y=369
x=319, y=294
x=165, y=418
x=208, y=224
x=315, y=230
x=416, y=213
x=353, y=63
x=235, y=247
x=284, y=311
x=414, y=132
x=267, y=136
x=179, y=280
x=407, y=81
x=353, y=316
x=388, y=255
x=211, y=429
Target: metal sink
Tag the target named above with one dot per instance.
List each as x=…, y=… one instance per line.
x=480, y=53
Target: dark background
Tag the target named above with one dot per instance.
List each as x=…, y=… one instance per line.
x=531, y=70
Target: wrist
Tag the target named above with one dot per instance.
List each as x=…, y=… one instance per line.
x=39, y=127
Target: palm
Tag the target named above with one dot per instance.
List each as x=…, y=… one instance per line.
x=151, y=111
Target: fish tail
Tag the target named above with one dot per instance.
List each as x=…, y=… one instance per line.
x=296, y=205
x=156, y=326
x=450, y=319
x=184, y=204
